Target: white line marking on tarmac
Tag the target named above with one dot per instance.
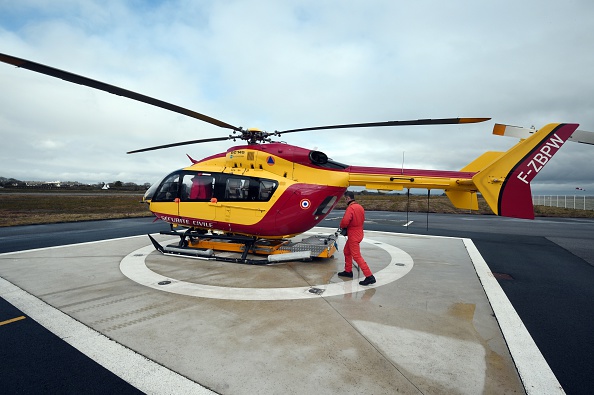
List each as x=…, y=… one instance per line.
x=134, y=267
x=71, y=245
x=534, y=371
x=142, y=373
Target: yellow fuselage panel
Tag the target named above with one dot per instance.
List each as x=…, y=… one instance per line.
x=253, y=162
x=311, y=175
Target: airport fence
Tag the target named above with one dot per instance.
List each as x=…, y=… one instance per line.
x=578, y=202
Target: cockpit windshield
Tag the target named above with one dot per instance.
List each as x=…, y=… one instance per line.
x=148, y=195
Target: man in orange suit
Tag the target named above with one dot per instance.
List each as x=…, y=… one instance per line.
x=353, y=220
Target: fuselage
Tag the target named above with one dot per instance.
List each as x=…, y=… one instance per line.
x=274, y=190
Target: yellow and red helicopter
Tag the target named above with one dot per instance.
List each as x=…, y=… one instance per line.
x=262, y=193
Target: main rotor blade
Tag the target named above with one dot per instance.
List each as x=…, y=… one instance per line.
x=441, y=121
x=180, y=143
x=77, y=79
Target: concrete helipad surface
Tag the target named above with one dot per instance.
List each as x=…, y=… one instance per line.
x=431, y=324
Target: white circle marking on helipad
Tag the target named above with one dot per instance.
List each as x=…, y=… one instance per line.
x=134, y=267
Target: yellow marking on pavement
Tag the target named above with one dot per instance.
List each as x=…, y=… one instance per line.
x=12, y=320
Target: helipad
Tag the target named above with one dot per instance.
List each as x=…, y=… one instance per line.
x=426, y=326
x=134, y=266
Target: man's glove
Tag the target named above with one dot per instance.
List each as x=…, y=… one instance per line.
x=343, y=231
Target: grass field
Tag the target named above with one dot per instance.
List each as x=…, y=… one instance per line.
x=42, y=208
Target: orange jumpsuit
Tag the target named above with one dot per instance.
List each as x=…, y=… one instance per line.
x=353, y=219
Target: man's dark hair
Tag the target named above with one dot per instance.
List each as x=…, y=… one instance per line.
x=350, y=194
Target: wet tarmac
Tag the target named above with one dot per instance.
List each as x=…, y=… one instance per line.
x=435, y=322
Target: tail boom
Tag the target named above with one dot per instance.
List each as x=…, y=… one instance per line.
x=502, y=178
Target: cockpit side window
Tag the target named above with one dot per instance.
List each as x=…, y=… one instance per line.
x=168, y=191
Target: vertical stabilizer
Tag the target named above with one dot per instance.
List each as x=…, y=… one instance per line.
x=505, y=183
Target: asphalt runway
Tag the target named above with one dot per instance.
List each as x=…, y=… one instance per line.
x=544, y=266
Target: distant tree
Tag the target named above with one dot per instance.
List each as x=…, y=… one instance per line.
x=132, y=186
x=117, y=184
x=14, y=183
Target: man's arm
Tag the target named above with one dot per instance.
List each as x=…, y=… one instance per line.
x=347, y=218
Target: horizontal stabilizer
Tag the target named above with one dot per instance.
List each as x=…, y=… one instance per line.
x=579, y=136
x=466, y=200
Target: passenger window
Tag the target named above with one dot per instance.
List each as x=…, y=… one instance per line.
x=235, y=189
x=197, y=187
x=266, y=189
x=239, y=188
x=326, y=205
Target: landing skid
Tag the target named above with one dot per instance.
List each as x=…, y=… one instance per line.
x=208, y=247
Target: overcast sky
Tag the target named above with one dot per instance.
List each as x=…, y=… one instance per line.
x=289, y=64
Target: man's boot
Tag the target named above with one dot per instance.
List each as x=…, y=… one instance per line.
x=368, y=280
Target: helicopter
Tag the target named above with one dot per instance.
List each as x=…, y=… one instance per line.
x=262, y=193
